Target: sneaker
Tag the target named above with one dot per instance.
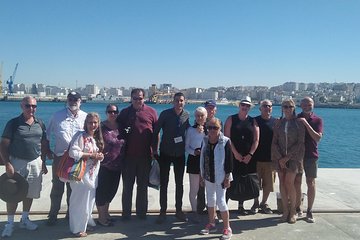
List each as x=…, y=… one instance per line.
x=51, y=220
x=180, y=215
x=242, y=211
x=209, y=228
x=161, y=218
x=27, y=224
x=254, y=208
x=309, y=217
x=227, y=234
x=265, y=208
x=8, y=230
x=299, y=212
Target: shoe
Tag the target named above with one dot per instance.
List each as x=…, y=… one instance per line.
x=106, y=224
x=265, y=208
x=125, y=218
x=292, y=219
x=8, y=230
x=242, y=211
x=209, y=228
x=27, y=224
x=180, y=215
x=309, y=217
x=299, y=212
x=254, y=208
x=161, y=218
x=227, y=234
x=51, y=220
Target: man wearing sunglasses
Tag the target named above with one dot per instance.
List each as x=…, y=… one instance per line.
x=139, y=121
x=22, y=150
x=62, y=127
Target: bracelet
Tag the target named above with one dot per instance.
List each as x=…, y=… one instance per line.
x=251, y=154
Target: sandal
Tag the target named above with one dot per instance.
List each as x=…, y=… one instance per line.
x=106, y=224
x=81, y=234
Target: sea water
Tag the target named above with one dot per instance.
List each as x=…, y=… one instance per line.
x=338, y=148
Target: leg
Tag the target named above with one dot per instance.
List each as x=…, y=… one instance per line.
x=298, y=181
x=79, y=207
x=201, y=200
x=284, y=196
x=290, y=188
x=179, y=168
x=142, y=180
x=57, y=191
x=310, y=192
x=128, y=185
x=164, y=163
x=194, y=189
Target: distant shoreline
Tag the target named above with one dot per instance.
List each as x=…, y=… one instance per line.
x=190, y=101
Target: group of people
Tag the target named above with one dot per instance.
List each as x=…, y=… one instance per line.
x=127, y=141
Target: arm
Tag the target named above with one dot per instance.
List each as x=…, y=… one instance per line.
x=227, y=133
x=4, y=150
x=255, y=143
x=156, y=136
x=316, y=135
x=228, y=165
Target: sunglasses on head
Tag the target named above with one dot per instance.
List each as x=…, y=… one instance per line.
x=287, y=106
x=212, y=127
x=30, y=106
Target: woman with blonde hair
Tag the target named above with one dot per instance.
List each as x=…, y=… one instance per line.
x=287, y=152
x=86, y=145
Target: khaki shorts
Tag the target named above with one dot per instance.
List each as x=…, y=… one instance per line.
x=32, y=172
x=267, y=175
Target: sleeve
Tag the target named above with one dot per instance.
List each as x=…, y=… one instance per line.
x=188, y=148
x=157, y=129
x=8, y=130
x=77, y=146
x=203, y=149
x=275, y=147
x=228, y=166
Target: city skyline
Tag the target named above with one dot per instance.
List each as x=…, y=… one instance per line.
x=187, y=43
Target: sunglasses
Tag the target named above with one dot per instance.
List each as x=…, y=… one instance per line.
x=287, y=107
x=137, y=98
x=244, y=105
x=30, y=106
x=267, y=105
x=212, y=128
x=112, y=112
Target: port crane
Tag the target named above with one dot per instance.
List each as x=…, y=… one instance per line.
x=10, y=81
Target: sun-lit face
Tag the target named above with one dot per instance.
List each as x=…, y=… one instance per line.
x=200, y=118
x=92, y=123
x=307, y=106
x=137, y=100
x=266, y=108
x=179, y=103
x=28, y=107
x=211, y=110
x=112, y=113
x=73, y=104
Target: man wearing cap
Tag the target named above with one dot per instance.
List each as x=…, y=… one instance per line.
x=313, y=134
x=61, y=128
x=22, y=149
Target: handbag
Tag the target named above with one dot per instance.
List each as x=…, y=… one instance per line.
x=154, y=176
x=244, y=188
x=69, y=169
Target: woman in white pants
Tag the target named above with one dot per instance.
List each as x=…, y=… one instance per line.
x=216, y=163
x=85, y=145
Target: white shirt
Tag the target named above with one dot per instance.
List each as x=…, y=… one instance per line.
x=193, y=140
x=63, y=125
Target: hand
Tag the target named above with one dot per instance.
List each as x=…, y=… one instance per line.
x=197, y=152
x=238, y=157
x=44, y=169
x=9, y=169
x=246, y=159
x=156, y=156
x=282, y=163
x=226, y=183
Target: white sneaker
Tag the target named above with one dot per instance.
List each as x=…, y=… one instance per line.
x=27, y=224
x=227, y=234
x=8, y=230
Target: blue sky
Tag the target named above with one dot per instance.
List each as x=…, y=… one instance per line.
x=189, y=43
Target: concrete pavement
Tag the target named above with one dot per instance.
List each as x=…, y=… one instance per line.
x=337, y=213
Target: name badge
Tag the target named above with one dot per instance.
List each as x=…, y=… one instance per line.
x=178, y=139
